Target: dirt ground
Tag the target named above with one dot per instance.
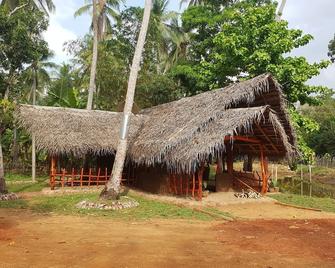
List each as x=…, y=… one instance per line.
x=35, y=240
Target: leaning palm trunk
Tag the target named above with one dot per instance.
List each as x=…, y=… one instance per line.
x=33, y=144
x=3, y=189
x=112, y=188
x=94, y=58
x=280, y=10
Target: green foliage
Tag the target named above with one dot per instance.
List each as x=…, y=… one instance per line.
x=20, y=42
x=245, y=40
x=241, y=41
x=322, y=141
x=331, y=49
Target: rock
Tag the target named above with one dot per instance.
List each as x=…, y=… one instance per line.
x=114, y=205
x=9, y=196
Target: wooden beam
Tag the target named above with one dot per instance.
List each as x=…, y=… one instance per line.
x=242, y=138
x=267, y=138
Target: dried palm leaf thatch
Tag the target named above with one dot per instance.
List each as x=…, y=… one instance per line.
x=74, y=131
x=210, y=141
x=178, y=134
x=177, y=122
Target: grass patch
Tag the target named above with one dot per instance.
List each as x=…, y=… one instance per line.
x=19, y=203
x=22, y=177
x=147, y=209
x=325, y=204
x=27, y=187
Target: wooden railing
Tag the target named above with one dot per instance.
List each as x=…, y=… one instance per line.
x=64, y=178
x=186, y=184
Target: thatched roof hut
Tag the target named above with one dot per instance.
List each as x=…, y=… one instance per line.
x=179, y=134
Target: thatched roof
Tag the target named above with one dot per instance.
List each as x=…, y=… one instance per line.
x=63, y=130
x=178, y=134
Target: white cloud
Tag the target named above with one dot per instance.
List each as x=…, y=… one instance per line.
x=56, y=36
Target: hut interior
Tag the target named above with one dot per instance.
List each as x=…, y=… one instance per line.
x=174, y=145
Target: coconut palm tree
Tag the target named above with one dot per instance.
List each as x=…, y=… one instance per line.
x=108, y=12
x=38, y=76
x=36, y=73
x=44, y=5
x=161, y=19
x=178, y=40
x=91, y=88
x=112, y=188
x=280, y=10
x=192, y=2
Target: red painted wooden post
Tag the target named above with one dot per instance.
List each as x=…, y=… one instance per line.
x=193, y=184
x=187, y=184
x=175, y=184
x=264, y=179
x=81, y=177
x=89, y=176
x=106, y=175
x=98, y=177
x=52, y=173
x=63, y=177
x=73, y=175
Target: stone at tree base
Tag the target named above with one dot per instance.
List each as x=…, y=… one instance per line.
x=114, y=205
x=8, y=196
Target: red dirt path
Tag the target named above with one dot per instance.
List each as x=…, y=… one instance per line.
x=28, y=240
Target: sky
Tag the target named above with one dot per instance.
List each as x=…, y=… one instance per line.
x=313, y=17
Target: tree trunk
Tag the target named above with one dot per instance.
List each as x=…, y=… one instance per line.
x=3, y=188
x=112, y=189
x=15, y=151
x=280, y=10
x=94, y=58
x=33, y=144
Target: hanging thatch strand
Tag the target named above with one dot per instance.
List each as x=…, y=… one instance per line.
x=179, y=134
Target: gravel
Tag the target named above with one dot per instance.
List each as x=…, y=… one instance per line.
x=9, y=196
x=114, y=205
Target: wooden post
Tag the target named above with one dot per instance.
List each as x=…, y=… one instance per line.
x=230, y=159
x=187, y=184
x=193, y=184
x=200, y=175
x=89, y=176
x=106, y=175
x=98, y=177
x=81, y=177
x=264, y=178
x=181, y=184
x=63, y=177
x=276, y=172
x=72, y=177
x=52, y=173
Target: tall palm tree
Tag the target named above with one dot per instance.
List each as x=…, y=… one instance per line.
x=37, y=75
x=112, y=188
x=62, y=91
x=36, y=72
x=44, y=5
x=280, y=10
x=178, y=40
x=93, y=72
x=108, y=12
x=192, y=2
x=161, y=18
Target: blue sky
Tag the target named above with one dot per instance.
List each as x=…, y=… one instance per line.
x=314, y=17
